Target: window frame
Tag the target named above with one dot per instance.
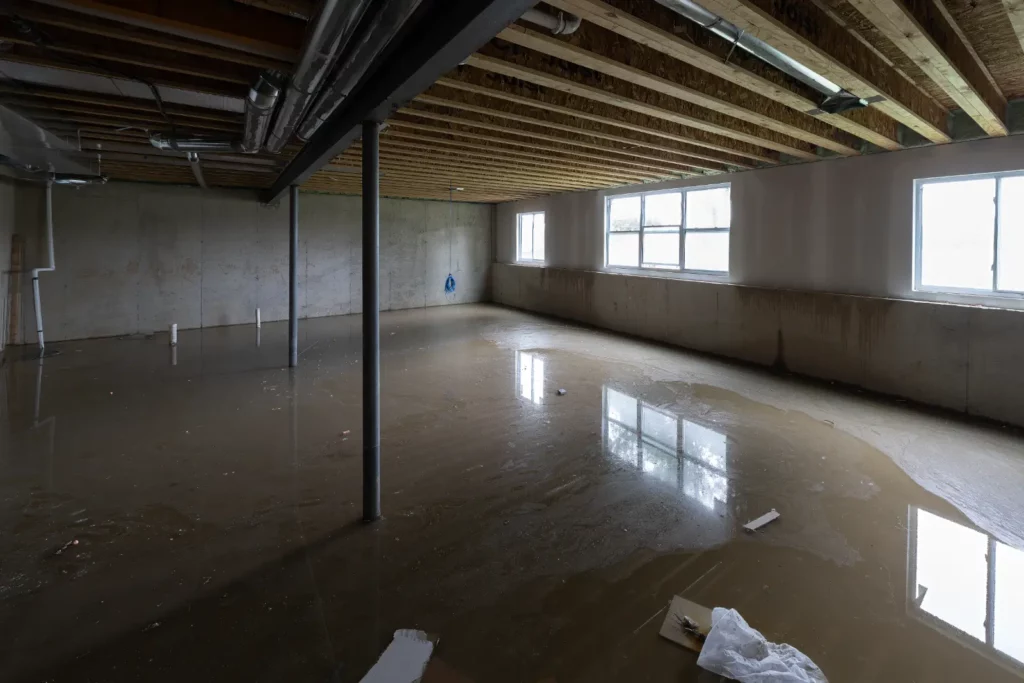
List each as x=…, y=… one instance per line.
x=519, y=237
x=683, y=230
x=919, y=184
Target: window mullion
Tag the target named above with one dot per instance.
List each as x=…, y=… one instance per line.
x=643, y=202
x=682, y=232
x=995, y=238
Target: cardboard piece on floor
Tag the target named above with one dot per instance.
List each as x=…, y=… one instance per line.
x=672, y=628
x=756, y=524
x=404, y=660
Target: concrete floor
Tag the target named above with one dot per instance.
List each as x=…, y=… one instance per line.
x=215, y=502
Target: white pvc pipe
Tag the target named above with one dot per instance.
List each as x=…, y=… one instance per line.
x=49, y=267
x=174, y=334
x=257, y=317
x=560, y=24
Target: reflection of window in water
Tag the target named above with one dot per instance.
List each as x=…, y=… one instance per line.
x=530, y=376
x=964, y=579
x=683, y=453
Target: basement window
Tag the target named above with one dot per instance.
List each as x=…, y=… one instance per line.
x=531, y=236
x=677, y=230
x=969, y=234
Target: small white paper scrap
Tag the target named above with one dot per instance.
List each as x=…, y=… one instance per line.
x=404, y=660
x=761, y=521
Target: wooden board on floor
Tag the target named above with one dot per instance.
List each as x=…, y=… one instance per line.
x=672, y=629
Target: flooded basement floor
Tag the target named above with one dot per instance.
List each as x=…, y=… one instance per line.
x=195, y=517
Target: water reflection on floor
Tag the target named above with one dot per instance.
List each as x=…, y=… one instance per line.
x=214, y=498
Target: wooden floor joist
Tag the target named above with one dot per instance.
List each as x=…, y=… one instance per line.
x=498, y=158
x=605, y=154
x=925, y=33
x=641, y=131
x=530, y=65
x=717, y=138
x=803, y=31
x=537, y=157
x=632, y=147
x=796, y=125
x=719, y=63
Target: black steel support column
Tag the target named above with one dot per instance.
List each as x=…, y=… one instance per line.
x=371, y=322
x=293, y=278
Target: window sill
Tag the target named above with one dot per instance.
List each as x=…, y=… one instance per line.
x=966, y=297
x=698, y=275
x=531, y=262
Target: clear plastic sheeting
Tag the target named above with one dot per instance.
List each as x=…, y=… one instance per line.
x=735, y=650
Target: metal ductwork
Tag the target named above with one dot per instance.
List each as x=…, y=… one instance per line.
x=76, y=179
x=328, y=35
x=193, y=144
x=259, y=108
x=352, y=67
x=836, y=98
x=560, y=24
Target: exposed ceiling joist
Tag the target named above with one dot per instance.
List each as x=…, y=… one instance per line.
x=601, y=152
x=642, y=131
x=717, y=59
x=634, y=148
x=803, y=31
x=84, y=23
x=238, y=27
x=925, y=33
x=615, y=90
x=799, y=126
x=714, y=137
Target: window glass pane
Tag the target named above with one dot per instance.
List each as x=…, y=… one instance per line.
x=526, y=237
x=709, y=208
x=661, y=248
x=952, y=573
x=665, y=208
x=1011, y=235
x=957, y=230
x=660, y=464
x=704, y=444
x=622, y=443
x=707, y=251
x=1009, y=616
x=624, y=249
x=624, y=214
x=704, y=485
x=538, y=237
x=659, y=428
x=621, y=407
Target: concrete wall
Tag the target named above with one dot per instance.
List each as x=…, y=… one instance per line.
x=820, y=281
x=134, y=257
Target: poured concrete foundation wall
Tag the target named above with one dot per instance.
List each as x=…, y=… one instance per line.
x=966, y=358
x=820, y=281
x=135, y=258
